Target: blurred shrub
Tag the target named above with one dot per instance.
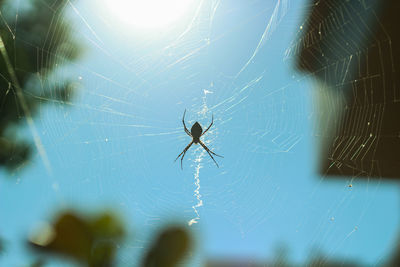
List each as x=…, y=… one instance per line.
x=91, y=241
x=169, y=248
x=32, y=47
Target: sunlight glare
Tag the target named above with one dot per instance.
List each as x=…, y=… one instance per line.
x=148, y=14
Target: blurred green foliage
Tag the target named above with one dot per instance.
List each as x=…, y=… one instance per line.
x=90, y=241
x=93, y=241
x=36, y=44
x=169, y=249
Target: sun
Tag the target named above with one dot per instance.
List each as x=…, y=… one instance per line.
x=148, y=14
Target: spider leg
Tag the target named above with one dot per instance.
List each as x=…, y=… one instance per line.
x=206, y=148
x=184, y=152
x=210, y=152
x=184, y=125
x=212, y=121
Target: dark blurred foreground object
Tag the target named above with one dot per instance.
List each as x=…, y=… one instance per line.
x=169, y=249
x=91, y=241
x=281, y=258
x=394, y=259
x=32, y=46
x=1, y=246
x=352, y=48
x=323, y=262
x=237, y=263
x=38, y=263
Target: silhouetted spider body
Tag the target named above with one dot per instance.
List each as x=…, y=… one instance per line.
x=196, y=132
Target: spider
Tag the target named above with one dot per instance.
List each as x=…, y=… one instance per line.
x=196, y=132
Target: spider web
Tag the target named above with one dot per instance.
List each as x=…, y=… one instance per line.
x=115, y=143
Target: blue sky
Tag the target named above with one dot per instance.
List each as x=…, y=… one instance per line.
x=115, y=145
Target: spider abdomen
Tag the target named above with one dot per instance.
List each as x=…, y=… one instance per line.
x=196, y=132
